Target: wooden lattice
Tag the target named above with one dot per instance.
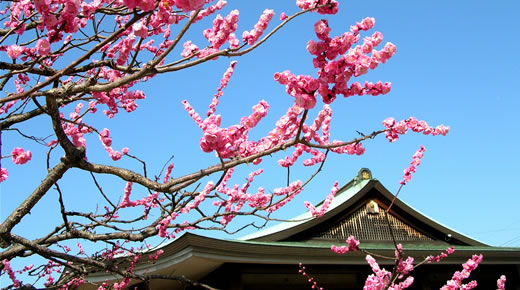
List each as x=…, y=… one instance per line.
x=372, y=226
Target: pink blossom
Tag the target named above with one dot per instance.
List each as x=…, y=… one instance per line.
x=401, y=127
x=311, y=280
x=283, y=16
x=405, y=266
x=252, y=36
x=365, y=24
x=209, y=10
x=155, y=256
x=10, y=273
x=441, y=256
x=140, y=29
x=381, y=277
x=334, y=75
x=80, y=247
x=353, y=245
x=332, y=8
x=468, y=267
x=221, y=32
x=162, y=227
x=288, y=193
x=441, y=130
x=106, y=140
x=168, y=172
x=389, y=122
x=4, y=174
x=145, y=5
x=19, y=156
x=14, y=51
x=321, y=28
x=43, y=46
x=189, y=49
x=223, y=84
x=416, y=161
x=501, y=283
x=325, y=206
x=199, y=198
x=301, y=87
x=189, y=5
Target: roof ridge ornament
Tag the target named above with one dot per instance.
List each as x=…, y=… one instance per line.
x=364, y=174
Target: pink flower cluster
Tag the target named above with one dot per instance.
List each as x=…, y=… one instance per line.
x=151, y=201
x=140, y=29
x=116, y=98
x=288, y=193
x=331, y=9
x=81, y=251
x=301, y=87
x=441, y=256
x=4, y=109
x=353, y=245
x=155, y=256
x=310, y=279
x=222, y=32
x=252, y=36
x=238, y=196
x=459, y=276
x=48, y=270
x=73, y=284
x=14, y=51
x=401, y=127
x=351, y=149
x=43, y=46
x=10, y=273
x=323, y=122
x=168, y=173
x=189, y=49
x=501, y=283
x=76, y=129
x=4, y=174
x=318, y=156
x=333, y=75
x=416, y=161
x=162, y=227
x=286, y=127
x=189, y=5
x=145, y=5
x=223, y=84
x=25, y=269
x=106, y=140
x=325, y=206
x=19, y=156
x=210, y=10
x=222, y=29
x=381, y=278
x=126, y=280
x=19, y=82
x=227, y=142
x=199, y=198
x=403, y=266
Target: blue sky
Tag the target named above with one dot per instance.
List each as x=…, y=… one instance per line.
x=456, y=64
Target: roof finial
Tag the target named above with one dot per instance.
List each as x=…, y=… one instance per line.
x=364, y=174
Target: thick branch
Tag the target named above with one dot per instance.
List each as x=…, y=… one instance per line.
x=25, y=207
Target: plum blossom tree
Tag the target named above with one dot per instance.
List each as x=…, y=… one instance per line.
x=79, y=64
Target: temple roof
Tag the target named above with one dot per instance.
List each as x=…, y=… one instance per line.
x=359, y=209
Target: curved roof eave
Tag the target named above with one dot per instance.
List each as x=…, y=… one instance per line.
x=349, y=194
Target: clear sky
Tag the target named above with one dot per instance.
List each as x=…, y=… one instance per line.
x=457, y=64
